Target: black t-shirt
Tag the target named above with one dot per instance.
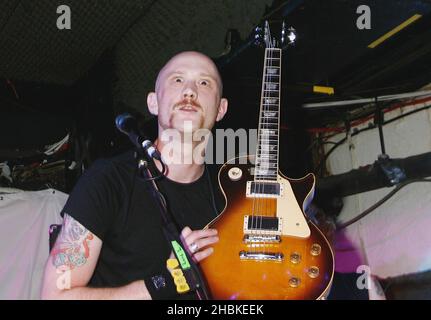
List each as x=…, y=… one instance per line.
x=116, y=205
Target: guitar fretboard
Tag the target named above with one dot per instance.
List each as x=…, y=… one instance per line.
x=269, y=117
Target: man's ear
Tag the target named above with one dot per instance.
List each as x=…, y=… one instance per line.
x=153, y=106
x=222, y=109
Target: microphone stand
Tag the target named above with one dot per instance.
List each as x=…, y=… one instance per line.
x=190, y=269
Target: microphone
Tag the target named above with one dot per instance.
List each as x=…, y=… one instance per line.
x=128, y=125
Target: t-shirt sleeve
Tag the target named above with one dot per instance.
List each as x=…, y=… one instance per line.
x=93, y=201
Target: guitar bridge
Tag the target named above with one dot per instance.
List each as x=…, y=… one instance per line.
x=256, y=238
x=265, y=256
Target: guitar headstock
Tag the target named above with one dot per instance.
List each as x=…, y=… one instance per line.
x=264, y=38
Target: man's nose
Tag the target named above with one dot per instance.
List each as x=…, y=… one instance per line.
x=189, y=91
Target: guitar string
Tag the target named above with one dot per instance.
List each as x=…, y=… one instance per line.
x=264, y=140
x=264, y=200
x=265, y=207
x=266, y=169
x=260, y=188
x=274, y=63
x=254, y=206
x=266, y=121
x=256, y=203
x=270, y=203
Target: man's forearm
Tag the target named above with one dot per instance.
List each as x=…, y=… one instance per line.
x=133, y=291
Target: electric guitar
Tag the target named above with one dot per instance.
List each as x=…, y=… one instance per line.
x=267, y=247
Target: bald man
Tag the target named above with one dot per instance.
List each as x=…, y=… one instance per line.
x=111, y=245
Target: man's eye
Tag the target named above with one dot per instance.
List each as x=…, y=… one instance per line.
x=204, y=82
x=178, y=80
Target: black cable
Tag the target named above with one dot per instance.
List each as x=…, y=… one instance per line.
x=380, y=202
x=316, y=141
x=319, y=167
x=161, y=174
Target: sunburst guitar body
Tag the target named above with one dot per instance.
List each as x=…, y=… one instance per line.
x=267, y=248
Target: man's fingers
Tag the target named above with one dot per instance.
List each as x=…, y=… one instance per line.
x=197, y=242
x=186, y=232
x=198, y=234
x=202, y=243
x=198, y=256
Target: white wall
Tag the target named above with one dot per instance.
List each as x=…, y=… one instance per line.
x=394, y=239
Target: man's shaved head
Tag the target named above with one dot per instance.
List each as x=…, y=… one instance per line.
x=196, y=55
x=188, y=90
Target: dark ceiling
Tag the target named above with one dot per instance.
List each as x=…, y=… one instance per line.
x=107, y=62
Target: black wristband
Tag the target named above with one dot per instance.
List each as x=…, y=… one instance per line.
x=161, y=286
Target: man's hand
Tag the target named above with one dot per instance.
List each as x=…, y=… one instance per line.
x=197, y=242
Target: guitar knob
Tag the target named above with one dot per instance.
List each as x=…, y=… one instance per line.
x=235, y=173
x=294, y=282
x=316, y=249
x=295, y=258
x=313, y=272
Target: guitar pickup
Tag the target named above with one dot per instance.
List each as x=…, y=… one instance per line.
x=264, y=189
x=262, y=225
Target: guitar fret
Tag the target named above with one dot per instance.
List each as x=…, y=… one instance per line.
x=271, y=70
x=265, y=172
x=272, y=65
x=262, y=177
x=266, y=162
x=268, y=149
x=271, y=86
x=268, y=132
x=270, y=166
x=269, y=90
x=270, y=100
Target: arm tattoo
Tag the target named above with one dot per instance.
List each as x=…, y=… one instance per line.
x=71, y=248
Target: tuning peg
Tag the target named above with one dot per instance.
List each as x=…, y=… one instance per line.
x=258, y=36
x=283, y=33
x=291, y=35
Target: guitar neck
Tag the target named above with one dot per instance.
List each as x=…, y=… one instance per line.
x=269, y=117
